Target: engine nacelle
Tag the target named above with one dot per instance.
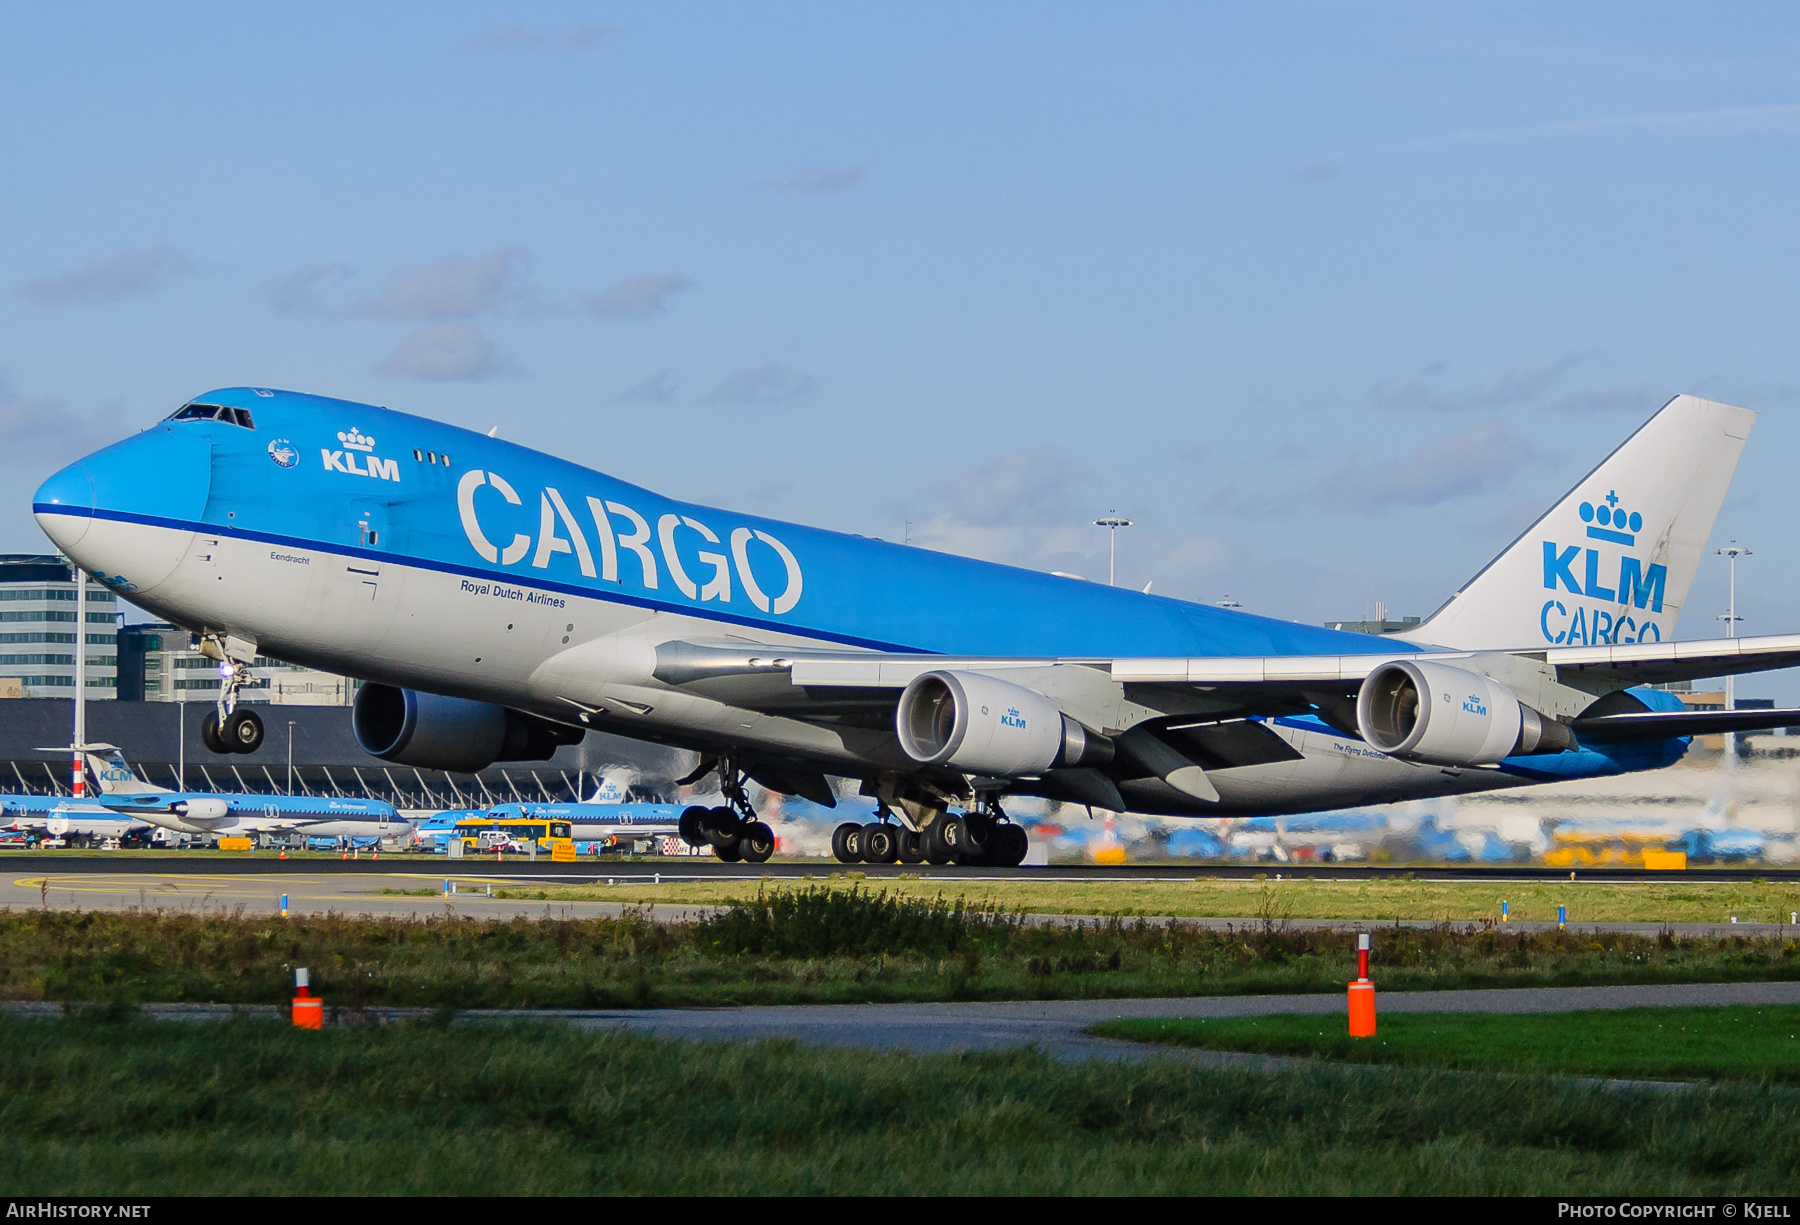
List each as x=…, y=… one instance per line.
x=976, y=723
x=434, y=732
x=202, y=808
x=1419, y=710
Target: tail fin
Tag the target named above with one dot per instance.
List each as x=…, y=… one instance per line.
x=115, y=777
x=612, y=788
x=1612, y=561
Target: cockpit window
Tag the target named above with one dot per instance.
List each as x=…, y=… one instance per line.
x=213, y=412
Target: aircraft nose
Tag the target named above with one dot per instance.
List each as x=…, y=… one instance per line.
x=64, y=506
x=125, y=514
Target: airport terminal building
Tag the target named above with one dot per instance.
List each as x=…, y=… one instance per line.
x=38, y=634
x=309, y=750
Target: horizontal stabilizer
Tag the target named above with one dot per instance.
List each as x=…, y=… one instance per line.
x=1667, y=725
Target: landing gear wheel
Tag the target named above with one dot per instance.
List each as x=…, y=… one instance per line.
x=980, y=830
x=209, y=734
x=243, y=731
x=722, y=827
x=879, y=843
x=693, y=825
x=730, y=852
x=912, y=845
x=1010, y=846
x=757, y=842
x=936, y=850
x=953, y=834
x=846, y=843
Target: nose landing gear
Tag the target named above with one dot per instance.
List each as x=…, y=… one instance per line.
x=228, y=728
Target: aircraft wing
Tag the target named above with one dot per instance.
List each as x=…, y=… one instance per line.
x=862, y=687
x=1658, y=663
x=1661, y=725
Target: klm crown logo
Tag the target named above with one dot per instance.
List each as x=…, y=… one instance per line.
x=1012, y=717
x=355, y=440
x=1621, y=585
x=1475, y=706
x=1610, y=521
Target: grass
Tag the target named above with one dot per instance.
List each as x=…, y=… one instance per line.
x=1738, y=1042
x=1378, y=900
x=121, y=1106
x=809, y=946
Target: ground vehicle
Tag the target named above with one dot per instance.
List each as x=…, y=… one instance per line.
x=512, y=833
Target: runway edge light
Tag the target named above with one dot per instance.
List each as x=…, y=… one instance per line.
x=1362, y=993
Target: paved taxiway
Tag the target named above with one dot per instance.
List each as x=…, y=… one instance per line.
x=312, y=893
x=1055, y=1026
x=702, y=867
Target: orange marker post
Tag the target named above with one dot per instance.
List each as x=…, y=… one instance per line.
x=309, y=1013
x=1362, y=993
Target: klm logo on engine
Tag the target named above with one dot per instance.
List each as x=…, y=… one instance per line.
x=1012, y=718
x=1475, y=706
x=356, y=445
x=1621, y=580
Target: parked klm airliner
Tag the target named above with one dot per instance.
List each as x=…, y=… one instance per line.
x=502, y=602
x=215, y=814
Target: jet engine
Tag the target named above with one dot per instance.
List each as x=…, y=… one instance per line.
x=434, y=732
x=982, y=725
x=1419, y=710
x=203, y=808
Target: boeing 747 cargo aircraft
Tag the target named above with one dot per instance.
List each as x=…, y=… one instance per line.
x=502, y=602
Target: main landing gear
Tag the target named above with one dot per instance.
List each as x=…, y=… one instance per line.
x=228, y=727
x=732, y=830
x=983, y=838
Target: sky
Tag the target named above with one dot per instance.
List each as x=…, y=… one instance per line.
x=1331, y=300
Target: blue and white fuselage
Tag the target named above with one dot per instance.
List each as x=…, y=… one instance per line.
x=538, y=599
x=227, y=814
x=61, y=817
x=600, y=822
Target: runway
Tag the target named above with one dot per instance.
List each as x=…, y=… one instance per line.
x=681, y=868
x=413, y=897
x=306, y=893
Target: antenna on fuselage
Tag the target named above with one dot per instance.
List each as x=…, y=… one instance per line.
x=494, y=432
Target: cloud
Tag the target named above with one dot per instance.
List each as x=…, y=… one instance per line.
x=1029, y=509
x=1725, y=119
x=1514, y=387
x=637, y=297
x=763, y=385
x=40, y=433
x=446, y=351
x=659, y=388
x=1618, y=399
x=455, y=287
x=127, y=273
x=1479, y=461
x=578, y=37
x=812, y=180
x=299, y=294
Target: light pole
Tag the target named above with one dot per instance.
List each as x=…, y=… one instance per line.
x=78, y=779
x=290, y=757
x=1112, y=522
x=1732, y=551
